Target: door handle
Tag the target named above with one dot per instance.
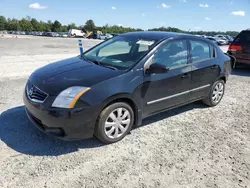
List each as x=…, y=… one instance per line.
x=214, y=66
x=184, y=76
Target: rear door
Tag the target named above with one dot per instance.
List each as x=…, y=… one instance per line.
x=205, y=68
x=240, y=48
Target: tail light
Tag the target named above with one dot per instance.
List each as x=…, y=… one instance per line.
x=235, y=48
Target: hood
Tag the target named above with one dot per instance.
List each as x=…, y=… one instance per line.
x=56, y=77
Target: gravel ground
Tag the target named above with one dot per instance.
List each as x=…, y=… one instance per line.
x=191, y=146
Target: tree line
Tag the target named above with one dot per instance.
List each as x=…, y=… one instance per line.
x=31, y=24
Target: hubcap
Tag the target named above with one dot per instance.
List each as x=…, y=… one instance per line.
x=117, y=123
x=218, y=92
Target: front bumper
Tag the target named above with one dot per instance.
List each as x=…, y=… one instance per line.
x=65, y=124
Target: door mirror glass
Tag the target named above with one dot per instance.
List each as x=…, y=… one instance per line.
x=157, y=68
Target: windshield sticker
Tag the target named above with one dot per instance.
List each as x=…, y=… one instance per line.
x=145, y=42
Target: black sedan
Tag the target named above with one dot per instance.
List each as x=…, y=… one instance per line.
x=113, y=86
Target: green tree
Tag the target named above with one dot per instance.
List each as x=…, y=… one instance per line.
x=48, y=26
x=36, y=25
x=13, y=25
x=56, y=26
x=72, y=26
x=3, y=23
x=90, y=25
x=25, y=25
x=64, y=28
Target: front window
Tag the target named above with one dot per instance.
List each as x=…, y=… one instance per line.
x=120, y=52
x=172, y=54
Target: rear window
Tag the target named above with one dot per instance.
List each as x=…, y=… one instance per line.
x=243, y=37
x=201, y=51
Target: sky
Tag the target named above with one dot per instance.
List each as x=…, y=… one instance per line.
x=207, y=15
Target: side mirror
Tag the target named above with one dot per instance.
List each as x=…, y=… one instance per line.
x=157, y=69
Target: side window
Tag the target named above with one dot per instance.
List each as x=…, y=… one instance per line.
x=200, y=51
x=172, y=54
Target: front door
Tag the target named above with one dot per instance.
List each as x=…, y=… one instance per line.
x=163, y=91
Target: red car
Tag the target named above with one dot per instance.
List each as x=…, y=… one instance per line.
x=240, y=48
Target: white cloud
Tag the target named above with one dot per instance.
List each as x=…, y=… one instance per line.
x=114, y=8
x=143, y=14
x=165, y=6
x=207, y=18
x=119, y=25
x=204, y=5
x=37, y=6
x=238, y=13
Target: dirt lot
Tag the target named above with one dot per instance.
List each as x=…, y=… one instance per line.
x=192, y=146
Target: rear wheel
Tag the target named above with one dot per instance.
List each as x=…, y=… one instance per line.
x=114, y=122
x=216, y=94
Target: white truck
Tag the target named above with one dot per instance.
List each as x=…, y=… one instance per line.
x=76, y=33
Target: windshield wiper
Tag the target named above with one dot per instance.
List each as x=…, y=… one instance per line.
x=90, y=61
x=99, y=63
x=108, y=66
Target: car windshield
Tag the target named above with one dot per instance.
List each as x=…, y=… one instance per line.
x=120, y=52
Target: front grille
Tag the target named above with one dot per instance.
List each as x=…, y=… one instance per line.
x=35, y=94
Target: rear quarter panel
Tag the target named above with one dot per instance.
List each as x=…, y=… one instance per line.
x=225, y=62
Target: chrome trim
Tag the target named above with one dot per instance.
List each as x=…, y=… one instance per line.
x=166, y=98
x=198, y=88
x=35, y=100
x=176, y=95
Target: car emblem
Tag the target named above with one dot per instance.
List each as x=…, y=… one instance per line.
x=31, y=91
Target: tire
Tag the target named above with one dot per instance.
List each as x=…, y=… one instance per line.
x=211, y=100
x=114, y=123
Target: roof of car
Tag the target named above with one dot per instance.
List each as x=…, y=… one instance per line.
x=157, y=35
x=161, y=35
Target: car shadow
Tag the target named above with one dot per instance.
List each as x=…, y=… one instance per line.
x=17, y=132
x=241, y=71
x=173, y=112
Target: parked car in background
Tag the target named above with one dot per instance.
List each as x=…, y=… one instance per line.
x=114, y=34
x=94, y=36
x=105, y=36
x=114, y=85
x=229, y=38
x=3, y=32
x=221, y=41
x=213, y=40
x=63, y=34
x=240, y=48
x=76, y=33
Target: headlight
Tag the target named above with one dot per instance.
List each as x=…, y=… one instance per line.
x=69, y=97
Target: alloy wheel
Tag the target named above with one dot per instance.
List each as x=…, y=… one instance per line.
x=218, y=92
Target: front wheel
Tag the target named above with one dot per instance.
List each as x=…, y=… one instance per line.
x=216, y=94
x=114, y=122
